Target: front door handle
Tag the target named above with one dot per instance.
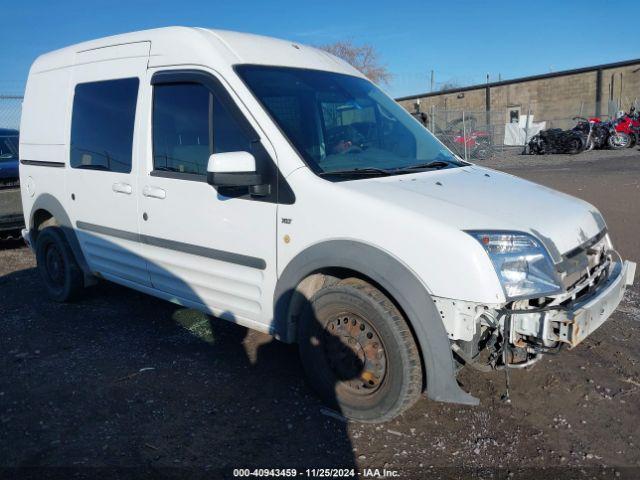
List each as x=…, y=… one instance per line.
x=154, y=192
x=120, y=187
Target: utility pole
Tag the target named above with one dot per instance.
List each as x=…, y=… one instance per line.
x=487, y=104
x=433, y=81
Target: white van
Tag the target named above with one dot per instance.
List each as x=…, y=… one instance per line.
x=270, y=184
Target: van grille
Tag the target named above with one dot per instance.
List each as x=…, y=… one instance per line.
x=583, y=261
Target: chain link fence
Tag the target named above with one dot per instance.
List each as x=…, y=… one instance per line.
x=470, y=134
x=10, y=109
x=481, y=134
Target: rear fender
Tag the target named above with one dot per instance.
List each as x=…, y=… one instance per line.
x=52, y=205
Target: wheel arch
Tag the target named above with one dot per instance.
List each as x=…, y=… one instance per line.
x=397, y=281
x=47, y=210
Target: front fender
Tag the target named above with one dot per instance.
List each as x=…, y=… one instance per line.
x=401, y=284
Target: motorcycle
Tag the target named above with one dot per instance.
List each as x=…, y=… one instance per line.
x=556, y=140
x=477, y=143
x=625, y=126
x=596, y=132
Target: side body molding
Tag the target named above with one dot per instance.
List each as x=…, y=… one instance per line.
x=51, y=204
x=402, y=285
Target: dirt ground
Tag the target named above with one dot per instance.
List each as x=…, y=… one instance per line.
x=124, y=385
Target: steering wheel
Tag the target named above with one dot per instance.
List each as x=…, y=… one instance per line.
x=353, y=149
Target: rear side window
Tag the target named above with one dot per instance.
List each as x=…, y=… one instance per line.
x=189, y=124
x=102, y=125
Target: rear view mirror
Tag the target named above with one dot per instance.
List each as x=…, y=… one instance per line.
x=233, y=169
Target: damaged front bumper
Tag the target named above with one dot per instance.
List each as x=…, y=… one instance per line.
x=574, y=320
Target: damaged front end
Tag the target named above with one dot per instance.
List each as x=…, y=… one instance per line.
x=516, y=334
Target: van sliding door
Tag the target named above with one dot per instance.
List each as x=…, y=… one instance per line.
x=101, y=180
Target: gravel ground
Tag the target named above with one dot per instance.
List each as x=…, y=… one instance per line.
x=121, y=384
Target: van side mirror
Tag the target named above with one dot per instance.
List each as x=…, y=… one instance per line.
x=233, y=169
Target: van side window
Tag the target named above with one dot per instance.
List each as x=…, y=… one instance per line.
x=102, y=125
x=189, y=124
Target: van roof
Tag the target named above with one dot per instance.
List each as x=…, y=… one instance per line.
x=201, y=46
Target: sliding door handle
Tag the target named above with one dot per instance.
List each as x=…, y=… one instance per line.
x=120, y=187
x=154, y=192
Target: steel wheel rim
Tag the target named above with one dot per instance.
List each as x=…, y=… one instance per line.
x=54, y=266
x=355, y=353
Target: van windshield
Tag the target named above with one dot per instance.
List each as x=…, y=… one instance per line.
x=342, y=124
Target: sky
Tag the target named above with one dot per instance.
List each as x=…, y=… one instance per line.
x=460, y=41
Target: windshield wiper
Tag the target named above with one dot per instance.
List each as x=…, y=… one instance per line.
x=359, y=171
x=424, y=166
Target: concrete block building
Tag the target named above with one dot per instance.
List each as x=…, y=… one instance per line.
x=554, y=98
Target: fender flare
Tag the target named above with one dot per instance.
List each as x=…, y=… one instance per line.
x=405, y=288
x=51, y=204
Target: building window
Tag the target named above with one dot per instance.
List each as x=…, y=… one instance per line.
x=513, y=114
x=189, y=124
x=102, y=125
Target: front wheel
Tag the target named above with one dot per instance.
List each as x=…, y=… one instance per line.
x=574, y=145
x=619, y=140
x=358, y=352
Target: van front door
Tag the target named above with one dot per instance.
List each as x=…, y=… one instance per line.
x=206, y=247
x=101, y=183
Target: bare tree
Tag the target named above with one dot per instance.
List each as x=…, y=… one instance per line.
x=363, y=57
x=449, y=85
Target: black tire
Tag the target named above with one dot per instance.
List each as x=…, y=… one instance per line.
x=632, y=142
x=57, y=265
x=575, y=145
x=369, y=368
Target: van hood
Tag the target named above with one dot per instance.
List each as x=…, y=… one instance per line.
x=476, y=198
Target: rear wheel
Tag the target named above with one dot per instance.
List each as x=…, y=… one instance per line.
x=57, y=265
x=359, y=353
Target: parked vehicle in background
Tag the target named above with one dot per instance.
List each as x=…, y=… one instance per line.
x=272, y=185
x=556, y=140
x=595, y=131
x=476, y=144
x=11, y=217
x=468, y=139
x=625, y=126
